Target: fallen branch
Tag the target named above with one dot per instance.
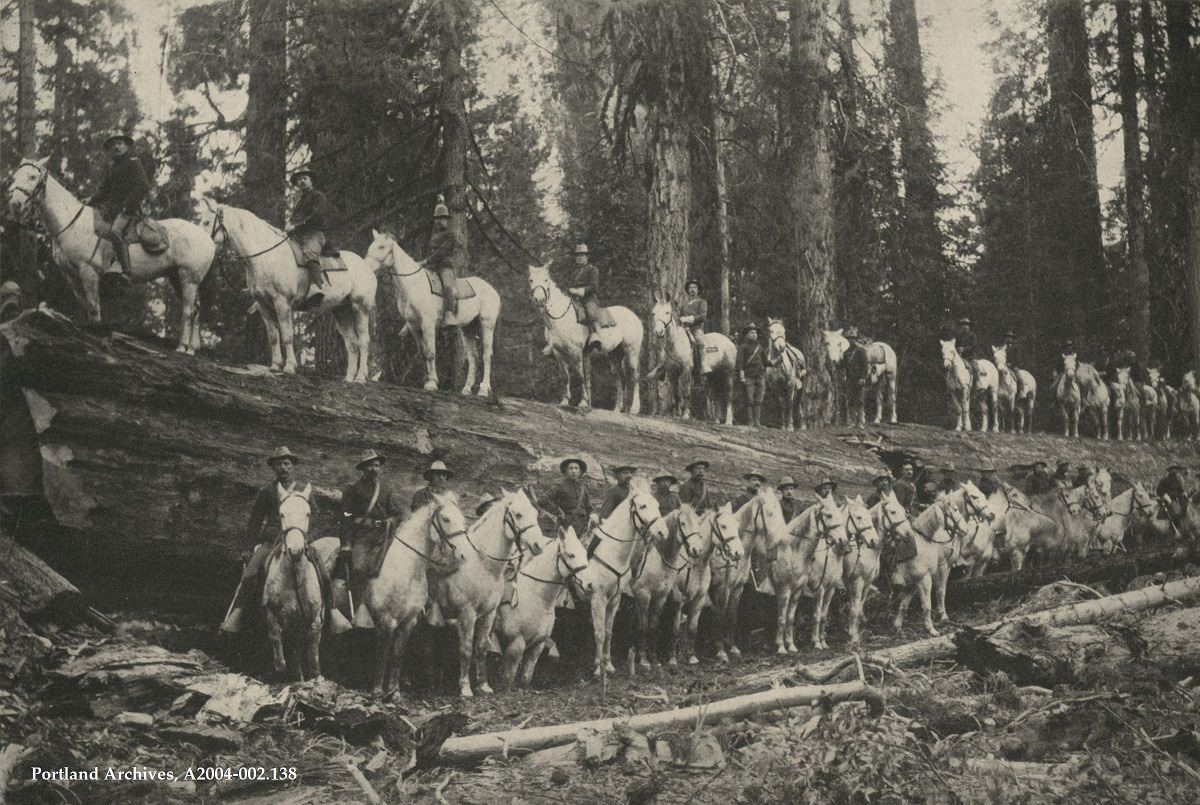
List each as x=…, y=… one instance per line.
x=475, y=747
x=367, y=789
x=10, y=756
x=943, y=647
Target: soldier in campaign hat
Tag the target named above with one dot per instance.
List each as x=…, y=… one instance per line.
x=619, y=491
x=788, y=502
x=693, y=314
x=694, y=490
x=754, y=479
x=568, y=501
x=668, y=501
x=369, y=508
x=312, y=218
x=445, y=257
x=437, y=477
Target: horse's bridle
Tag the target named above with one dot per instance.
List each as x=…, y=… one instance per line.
x=567, y=572
x=544, y=301
x=39, y=189
x=975, y=509
x=858, y=532
x=283, y=532
x=219, y=226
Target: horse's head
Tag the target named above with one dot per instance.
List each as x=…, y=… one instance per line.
x=976, y=503
x=1122, y=376
x=725, y=532
x=1094, y=502
x=859, y=523
x=521, y=517
x=210, y=217
x=1103, y=482
x=1000, y=356
x=661, y=315
x=295, y=512
x=381, y=253
x=540, y=284
x=689, y=531
x=644, y=511
x=892, y=515
x=769, y=516
x=1189, y=380
x=26, y=183
x=573, y=558
x=1070, y=365
x=1142, y=503
x=953, y=520
x=447, y=523
x=776, y=333
x=835, y=344
x=949, y=353
x=1154, y=376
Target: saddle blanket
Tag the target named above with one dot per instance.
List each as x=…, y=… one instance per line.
x=903, y=548
x=330, y=260
x=604, y=318
x=151, y=235
x=463, y=288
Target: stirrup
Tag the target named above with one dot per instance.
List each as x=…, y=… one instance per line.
x=362, y=618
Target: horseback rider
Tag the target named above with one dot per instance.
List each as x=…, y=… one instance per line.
x=692, y=314
x=436, y=477
x=883, y=485
x=585, y=287
x=825, y=488
x=1173, y=496
x=788, y=502
x=752, y=372
x=1068, y=351
x=262, y=529
x=754, y=479
x=569, y=502
x=1124, y=359
x=1039, y=481
x=118, y=201
x=1062, y=475
x=369, y=508
x=967, y=344
x=904, y=488
x=444, y=257
x=668, y=501
x=694, y=490
x=926, y=486
x=312, y=216
x=619, y=491
x=949, y=483
x=989, y=481
x=1010, y=349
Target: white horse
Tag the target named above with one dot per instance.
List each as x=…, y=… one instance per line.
x=808, y=564
x=566, y=337
x=786, y=370
x=720, y=550
x=658, y=575
x=720, y=358
x=1126, y=403
x=633, y=527
x=963, y=390
x=1016, y=393
x=1080, y=390
x=860, y=564
x=882, y=371
x=1132, y=511
x=278, y=283
x=421, y=310
x=473, y=592
x=69, y=223
x=1187, y=403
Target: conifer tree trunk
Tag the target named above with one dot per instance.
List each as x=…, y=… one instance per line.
x=668, y=206
x=810, y=194
x=1183, y=159
x=1139, y=269
x=26, y=273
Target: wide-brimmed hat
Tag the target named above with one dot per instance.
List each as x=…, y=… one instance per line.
x=624, y=468
x=562, y=465
x=580, y=248
x=281, y=453
x=485, y=500
x=883, y=476
x=1010, y=334
x=1068, y=345
x=916, y=462
x=118, y=138
x=294, y=178
x=749, y=327
x=665, y=475
x=964, y=320
x=832, y=484
x=370, y=455
x=785, y=482
x=693, y=281
x=950, y=468
x=754, y=474
x=438, y=466
x=440, y=210
x=851, y=332
x=698, y=462
x=1040, y=463
x=1063, y=465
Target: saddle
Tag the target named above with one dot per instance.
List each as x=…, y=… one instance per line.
x=331, y=257
x=151, y=235
x=604, y=317
x=900, y=549
x=378, y=545
x=463, y=288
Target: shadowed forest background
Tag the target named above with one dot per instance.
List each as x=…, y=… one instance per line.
x=779, y=152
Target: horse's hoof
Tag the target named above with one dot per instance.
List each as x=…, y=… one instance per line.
x=791, y=428
x=722, y=657
x=932, y=631
x=377, y=691
x=280, y=667
x=484, y=391
x=672, y=662
x=466, y=693
x=466, y=391
x=181, y=349
x=793, y=650
x=486, y=689
x=430, y=386
x=781, y=651
x=609, y=668
x=693, y=660
x=898, y=626
x=735, y=653
x=643, y=665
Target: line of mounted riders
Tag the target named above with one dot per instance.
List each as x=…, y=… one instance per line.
x=500, y=578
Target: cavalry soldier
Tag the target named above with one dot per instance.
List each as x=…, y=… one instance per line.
x=694, y=490
x=752, y=372
x=118, y=201
x=967, y=344
x=1010, y=348
x=1172, y=493
x=586, y=288
x=883, y=485
x=788, y=502
x=369, y=508
x=620, y=490
x=926, y=486
x=312, y=217
x=903, y=487
x=568, y=502
x=668, y=501
x=693, y=314
x=262, y=530
x=1062, y=475
x=754, y=479
x=444, y=257
x=989, y=482
x=1085, y=476
x=949, y=482
x=1039, y=481
x=437, y=477
x=825, y=488
x=1068, y=350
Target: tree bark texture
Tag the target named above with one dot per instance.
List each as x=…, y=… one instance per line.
x=811, y=196
x=1184, y=155
x=668, y=206
x=722, y=131
x=1075, y=259
x=917, y=155
x=1136, y=264
x=455, y=136
x=27, y=70
x=265, y=182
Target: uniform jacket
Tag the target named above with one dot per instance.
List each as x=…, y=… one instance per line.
x=123, y=187
x=313, y=213
x=752, y=359
x=358, y=496
x=264, y=512
x=791, y=508
x=967, y=342
x=873, y=499
x=443, y=251
x=695, y=492
x=570, y=504
x=588, y=278
x=667, y=503
x=615, y=497
x=744, y=498
x=1172, y=485
x=905, y=492
x=698, y=309
x=1039, y=484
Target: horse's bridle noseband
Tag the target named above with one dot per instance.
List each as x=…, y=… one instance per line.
x=39, y=189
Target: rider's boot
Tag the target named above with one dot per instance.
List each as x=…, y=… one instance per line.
x=697, y=361
x=342, y=587
x=593, y=340
x=121, y=251
x=316, y=287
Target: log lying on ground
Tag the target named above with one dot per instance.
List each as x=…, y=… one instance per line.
x=475, y=747
x=1050, y=655
x=37, y=593
x=943, y=647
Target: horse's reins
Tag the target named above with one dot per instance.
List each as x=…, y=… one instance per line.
x=509, y=522
x=641, y=529
x=544, y=302
x=437, y=526
x=295, y=566
x=39, y=189
x=568, y=576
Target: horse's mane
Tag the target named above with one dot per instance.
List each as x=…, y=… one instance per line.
x=248, y=220
x=922, y=520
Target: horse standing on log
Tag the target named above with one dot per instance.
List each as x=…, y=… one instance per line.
x=566, y=337
x=525, y=619
x=965, y=389
x=1126, y=403
x=1187, y=404
x=1080, y=390
x=660, y=572
x=875, y=367
x=69, y=223
x=293, y=598
x=786, y=370
x=720, y=550
x=420, y=305
x=1016, y=393
x=277, y=280
x=472, y=594
x=675, y=350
